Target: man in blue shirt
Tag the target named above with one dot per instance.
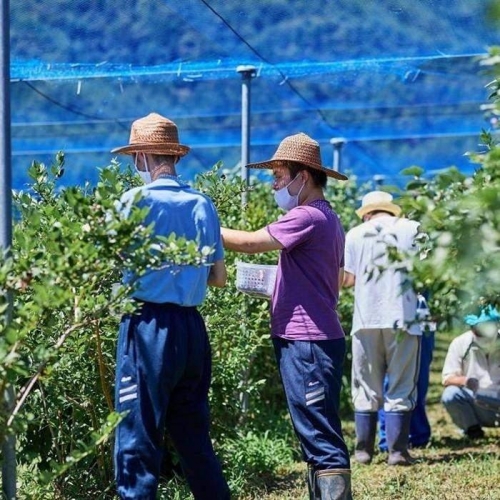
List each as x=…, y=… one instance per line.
x=163, y=356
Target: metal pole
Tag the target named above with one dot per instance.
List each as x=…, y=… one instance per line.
x=9, y=445
x=338, y=143
x=247, y=73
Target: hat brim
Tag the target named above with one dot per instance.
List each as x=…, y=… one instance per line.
x=270, y=164
x=382, y=207
x=158, y=149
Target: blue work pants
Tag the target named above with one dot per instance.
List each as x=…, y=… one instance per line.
x=463, y=410
x=162, y=381
x=311, y=373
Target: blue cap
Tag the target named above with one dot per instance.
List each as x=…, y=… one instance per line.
x=488, y=313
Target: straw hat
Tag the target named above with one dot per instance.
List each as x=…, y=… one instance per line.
x=377, y=201
x=299, y=148
x=153, y=134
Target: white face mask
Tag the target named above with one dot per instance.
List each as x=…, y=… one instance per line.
x=488, y=329
x=284, y=199
x=144, y=174
x=488, y=335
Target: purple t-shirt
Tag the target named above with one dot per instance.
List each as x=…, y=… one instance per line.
x=304, y=302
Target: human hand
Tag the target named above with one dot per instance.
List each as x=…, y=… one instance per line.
x=472, y=384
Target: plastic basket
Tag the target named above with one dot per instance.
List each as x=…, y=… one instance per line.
x=256, y=279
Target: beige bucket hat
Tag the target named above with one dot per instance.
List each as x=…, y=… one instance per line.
x=153, y=134
x=377, y=201
x=298, y=148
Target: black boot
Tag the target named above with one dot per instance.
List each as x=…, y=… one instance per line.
x=311, y=483
x=333, y=484
x=474, y=432
x=366, y=427
x=397, y=429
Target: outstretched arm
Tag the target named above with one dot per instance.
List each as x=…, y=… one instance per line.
x=249, y=241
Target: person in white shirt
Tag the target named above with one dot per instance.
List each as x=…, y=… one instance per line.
x=473, y=363
x=420, y=427
x=385, y=332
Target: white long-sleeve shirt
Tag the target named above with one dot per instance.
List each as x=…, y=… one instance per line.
x=466, y=358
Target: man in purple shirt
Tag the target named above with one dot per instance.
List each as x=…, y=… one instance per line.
x=308, y=339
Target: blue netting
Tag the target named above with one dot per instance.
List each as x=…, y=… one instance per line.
x=400, y=80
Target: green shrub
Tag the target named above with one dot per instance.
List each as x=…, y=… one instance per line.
x=57, y=341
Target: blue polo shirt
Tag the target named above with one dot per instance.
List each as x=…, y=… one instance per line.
x=175, y=207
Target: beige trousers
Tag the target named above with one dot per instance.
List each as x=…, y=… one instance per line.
x=380, y=352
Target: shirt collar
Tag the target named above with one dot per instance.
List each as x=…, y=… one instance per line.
x=170, y=180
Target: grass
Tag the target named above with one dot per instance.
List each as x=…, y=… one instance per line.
x=450, y=468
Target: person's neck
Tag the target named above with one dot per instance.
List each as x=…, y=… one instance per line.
x=380, y=214
x=163, y=169
x=312, y=195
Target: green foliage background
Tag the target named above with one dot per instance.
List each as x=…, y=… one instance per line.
x=58, y=349
x=57, y=341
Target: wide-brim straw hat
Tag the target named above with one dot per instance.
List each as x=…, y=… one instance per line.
x=298, y=148
x=154, y=134
x=378, y=201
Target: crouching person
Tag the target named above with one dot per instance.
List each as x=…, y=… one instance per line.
x=473, y=362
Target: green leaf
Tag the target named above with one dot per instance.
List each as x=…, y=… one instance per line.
x=414, y=171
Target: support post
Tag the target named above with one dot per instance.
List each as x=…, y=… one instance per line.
x=247, y=73
x=9, y=444
x=337, y=143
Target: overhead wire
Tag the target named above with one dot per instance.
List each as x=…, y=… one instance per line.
x=66, y=107
x=322, y=113
x=265, y=60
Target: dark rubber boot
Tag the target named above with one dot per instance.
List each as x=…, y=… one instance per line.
x=333, y=484
x=397, y=428
x=311, y=483
x=366, y=428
